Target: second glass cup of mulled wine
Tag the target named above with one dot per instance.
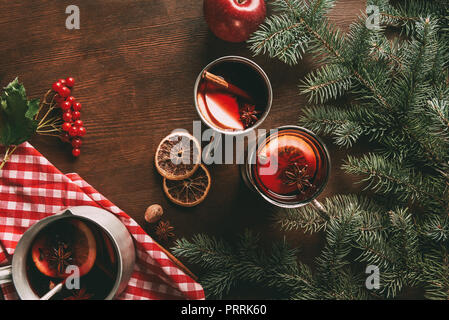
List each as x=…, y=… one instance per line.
x=233, y=95
x=289, y=167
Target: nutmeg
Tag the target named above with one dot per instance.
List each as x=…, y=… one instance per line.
x=153, y=213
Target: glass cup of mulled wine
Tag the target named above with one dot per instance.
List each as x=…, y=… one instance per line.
x=289, y=167
x=72, y=242
x=233, y=95
x=79, y=253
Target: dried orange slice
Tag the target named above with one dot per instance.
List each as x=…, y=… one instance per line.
x=191, y=191
x=178, y=156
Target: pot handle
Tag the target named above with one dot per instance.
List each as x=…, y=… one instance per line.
x=5, y=274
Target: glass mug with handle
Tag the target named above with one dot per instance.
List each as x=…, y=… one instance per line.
x=289, y=167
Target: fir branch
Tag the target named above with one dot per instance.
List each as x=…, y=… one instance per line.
x=227, y=265
x=328, y=82
x=309, y=219
x=278, y=34
x=436, y=228
x=391, y=51
x=438, y=110
x=280, y=38
x=394, y=249
x=341, y=233
x=390, y=177
x=437, y=273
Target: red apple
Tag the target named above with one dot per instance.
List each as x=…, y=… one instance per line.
x=234, y=20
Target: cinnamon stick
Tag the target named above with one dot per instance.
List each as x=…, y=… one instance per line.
x=219, y=81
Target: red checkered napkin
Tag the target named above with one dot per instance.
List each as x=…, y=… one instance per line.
x=31, y=188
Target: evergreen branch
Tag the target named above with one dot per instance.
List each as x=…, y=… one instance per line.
x=324, y=119
x=439, y=111
x=227, y=266
x=391, y=51
x=328, y=82
x=395, y=251
x=204, y=250
x=308, y=218
x=436, y=228
x=280, y=38
x=437, y=273
x=341, y=232
x=347, y=124
x=390, y=177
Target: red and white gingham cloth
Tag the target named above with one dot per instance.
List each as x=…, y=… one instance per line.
x=31, y=188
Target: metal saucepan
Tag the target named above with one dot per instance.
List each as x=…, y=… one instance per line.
x=105, y=220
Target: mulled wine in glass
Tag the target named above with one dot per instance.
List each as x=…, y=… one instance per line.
x=289, y=167
x=72, y=242
x=233, y=95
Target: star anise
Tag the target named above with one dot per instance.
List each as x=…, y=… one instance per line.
x=297, y=175
x=248, y=115
x=60, y=256
x=164, y=230
x=79, y=295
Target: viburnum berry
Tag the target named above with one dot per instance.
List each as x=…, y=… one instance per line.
x=67, y=116
x=66, y=126
x=70, y=81
x=56, y=86
x=76, y=152
x=58, y=99
x=79, y=123
x=74, y=131
x=62, y=81
x=66, y=105
x=64, y=92
x=65, y=137
x=77, y=142
x=81, y=131
x=77, y=106
x=71, y=99
x=76, y=115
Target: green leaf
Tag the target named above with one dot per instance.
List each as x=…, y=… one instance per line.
x=17, y=113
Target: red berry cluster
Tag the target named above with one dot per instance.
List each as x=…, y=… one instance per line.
x=71, y=114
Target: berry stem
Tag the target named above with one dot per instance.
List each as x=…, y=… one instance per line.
x=46, y=131
x=44, y=102
x=52, y=122
x=9, y=151
x=46, y=114
x=48, y=134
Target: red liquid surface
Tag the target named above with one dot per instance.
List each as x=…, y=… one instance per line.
x=219, y=107
x=285, y=151
x=280, y=155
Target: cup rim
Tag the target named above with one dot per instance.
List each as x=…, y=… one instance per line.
x=294, y=205
x=259, y=70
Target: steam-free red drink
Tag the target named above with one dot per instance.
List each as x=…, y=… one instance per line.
x=232, y=96
x=289, y=167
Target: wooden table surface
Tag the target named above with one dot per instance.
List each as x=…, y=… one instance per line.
x=135, y=63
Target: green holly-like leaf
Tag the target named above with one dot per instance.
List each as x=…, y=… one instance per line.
x=17, y=113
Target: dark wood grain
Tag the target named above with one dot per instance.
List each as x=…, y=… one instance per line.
x=135, y=63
